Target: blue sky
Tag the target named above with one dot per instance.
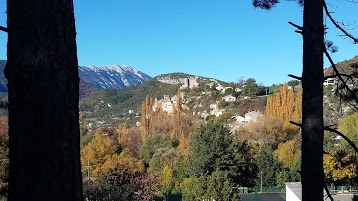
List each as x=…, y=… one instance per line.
x=224, y=39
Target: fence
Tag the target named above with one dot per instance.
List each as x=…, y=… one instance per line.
x=267, y=189
x=343, y=189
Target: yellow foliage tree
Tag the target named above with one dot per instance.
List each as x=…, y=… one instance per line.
x=123, y=134
x=269, y=129
x=285, y=107
x=340, y=167
x=288, y=153
x=297, y=114
x=124, y=159
x=146, y=117
x=183, y=147
x=349, y=127
x=166, y=179
x=97, y=152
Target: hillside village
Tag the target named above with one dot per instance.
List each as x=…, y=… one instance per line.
x=168, y=103
x=205, y=98
x=179, y=131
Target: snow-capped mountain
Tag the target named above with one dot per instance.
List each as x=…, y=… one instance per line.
x=113, y=76
x=103, y=77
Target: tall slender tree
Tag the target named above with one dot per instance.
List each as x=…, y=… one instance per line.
x=42, y=74
x=314, y=47
x=312, y=176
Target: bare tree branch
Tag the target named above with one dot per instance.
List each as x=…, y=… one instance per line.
x=327, y=191
x=351, y=1
x=355, y=40
x=296, y=124
x=4, y=29
x=295, y=25
x=350, y=142
x=294, y=76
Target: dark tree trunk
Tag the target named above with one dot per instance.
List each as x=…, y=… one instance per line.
x=42, y=71
x=312, y=102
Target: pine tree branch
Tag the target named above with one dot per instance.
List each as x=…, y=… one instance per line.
x=296, y=124
x=350, y=142
x=327, y=191
x=4, y=29
x=355, y=40
x=295, y=25
x=294, y=76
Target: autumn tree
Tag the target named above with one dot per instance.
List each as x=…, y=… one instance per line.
x=123, y=134
x=146, y=117
x=349, y=126
x=289, y=153
x=178, y=109
x=166, y=179
x=43, y=83
x=340, y=167
x=286, y=107
x=100, y=149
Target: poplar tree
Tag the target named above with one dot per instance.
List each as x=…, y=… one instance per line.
x=146, y=117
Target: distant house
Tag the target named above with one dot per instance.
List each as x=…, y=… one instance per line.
x=238, y=90
x=240, y=119
x=217, y=112
x=330, y=81
x=229, y=98
x=213, y=106
x=252, y=116
x=166, y=104
x=204, y=115
x=219, y=87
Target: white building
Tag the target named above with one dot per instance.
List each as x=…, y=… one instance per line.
x=240, y=119
x=213, y=106
x=219, y=87
x=330, y=81
x=229, y=98
x=252, y=116
x=217, y=113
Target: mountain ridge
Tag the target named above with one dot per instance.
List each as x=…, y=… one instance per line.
x=112, y=77
x=94, y=78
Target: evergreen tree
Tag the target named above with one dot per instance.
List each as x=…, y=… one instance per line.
x=268, y=165
x=213, y=148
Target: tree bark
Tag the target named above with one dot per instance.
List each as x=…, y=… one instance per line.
x=312, y=102
x=42, y=73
